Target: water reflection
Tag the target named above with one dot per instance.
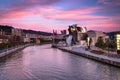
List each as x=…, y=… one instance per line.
x=45, y=63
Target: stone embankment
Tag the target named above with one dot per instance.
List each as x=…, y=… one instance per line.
x=86, y=53
x=7, y=52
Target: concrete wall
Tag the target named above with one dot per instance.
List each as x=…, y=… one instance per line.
x=13, y=50
x=104, y=60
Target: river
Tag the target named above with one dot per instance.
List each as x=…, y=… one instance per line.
x=46, y=63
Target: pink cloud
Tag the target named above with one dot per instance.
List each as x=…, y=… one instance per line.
x=53, y=13
x=13, y=14
x=75, y=17
x=103, y=25
x=38, y=26
x=16, y=18
x=74, y=14
x=23, y=6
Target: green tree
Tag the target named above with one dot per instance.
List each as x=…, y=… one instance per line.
x=110, y=44
x=100, y=43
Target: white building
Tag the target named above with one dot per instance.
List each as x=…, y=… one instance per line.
x=94, y=35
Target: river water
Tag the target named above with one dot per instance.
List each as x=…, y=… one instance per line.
x=46, y=63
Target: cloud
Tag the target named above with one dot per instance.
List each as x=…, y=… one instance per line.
x=27, y=3
x=42, y=2
x=80, y=15
x=110, y=2
x=110, y=7
x=20, y=7
x=43, y=15
x=84, y=13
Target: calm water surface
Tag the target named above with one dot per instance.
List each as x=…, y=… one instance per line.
x=46, y=63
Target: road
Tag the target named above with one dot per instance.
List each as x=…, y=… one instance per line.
x=46, y=63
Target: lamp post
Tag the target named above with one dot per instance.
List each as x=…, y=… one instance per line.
x=7, y=47
x=88, y=42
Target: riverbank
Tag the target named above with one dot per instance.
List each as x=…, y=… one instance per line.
x=12, y=50
x=86, y=53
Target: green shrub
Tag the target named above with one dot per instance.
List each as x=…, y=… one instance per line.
x=100, y=43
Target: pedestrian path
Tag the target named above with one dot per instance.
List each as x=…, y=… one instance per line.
x=87, y=53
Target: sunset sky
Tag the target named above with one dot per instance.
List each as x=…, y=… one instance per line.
x=46, y=15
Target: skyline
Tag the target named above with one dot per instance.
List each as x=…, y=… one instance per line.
x=46, y=15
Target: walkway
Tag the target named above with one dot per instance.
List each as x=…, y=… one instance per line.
x=87, y=53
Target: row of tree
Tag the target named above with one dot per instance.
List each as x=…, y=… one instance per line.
x=107, y=44
x=7, y=29
x=12, y=44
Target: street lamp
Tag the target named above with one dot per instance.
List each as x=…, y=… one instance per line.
x=88, y=42
x=118, y=43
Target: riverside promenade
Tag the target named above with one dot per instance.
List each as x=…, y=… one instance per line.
x=81, y=51
x=12, y=50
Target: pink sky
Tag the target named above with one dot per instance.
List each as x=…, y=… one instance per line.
x=46, y=15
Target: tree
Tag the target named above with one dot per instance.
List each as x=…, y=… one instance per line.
x=100, y=43
x=110, y=44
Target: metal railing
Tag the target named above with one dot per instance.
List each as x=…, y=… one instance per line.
x=12, y=48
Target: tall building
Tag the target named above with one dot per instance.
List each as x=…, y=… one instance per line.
x=78, y=33
x=5, y=33
x=17, y=34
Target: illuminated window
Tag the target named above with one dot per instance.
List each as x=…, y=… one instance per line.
x=118, y=41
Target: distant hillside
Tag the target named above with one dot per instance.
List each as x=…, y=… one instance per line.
x=8, y=29
x=37, y=32
x=113, y=33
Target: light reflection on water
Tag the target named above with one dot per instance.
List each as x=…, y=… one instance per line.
x=45, y=63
